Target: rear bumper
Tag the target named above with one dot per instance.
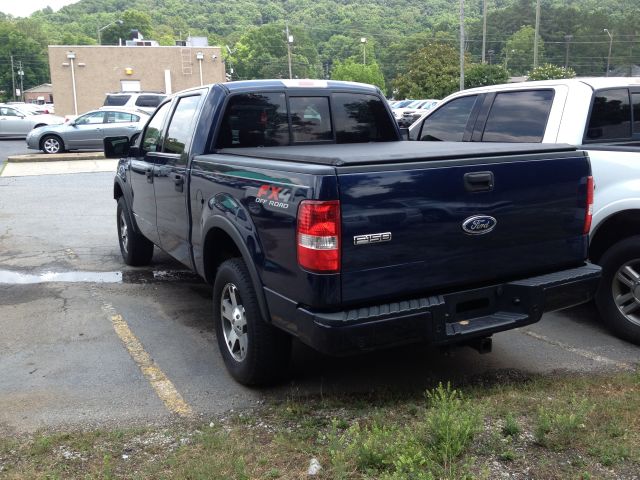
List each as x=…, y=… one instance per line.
x=439, y=319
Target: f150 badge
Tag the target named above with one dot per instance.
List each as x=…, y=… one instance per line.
x=479, y=224
x=372, y=238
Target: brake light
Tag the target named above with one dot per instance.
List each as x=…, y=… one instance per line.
x=318, y=236
x=589, y=209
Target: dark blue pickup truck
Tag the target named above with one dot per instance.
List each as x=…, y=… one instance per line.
x=300, y=204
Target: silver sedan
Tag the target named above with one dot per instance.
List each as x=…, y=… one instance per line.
x=87, y=131
x=18, y=122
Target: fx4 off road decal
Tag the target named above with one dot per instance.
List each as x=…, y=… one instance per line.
x=273, y=196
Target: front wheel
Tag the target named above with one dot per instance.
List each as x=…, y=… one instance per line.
x=136, y=250
x=52, y=144
x=618, y=296
x=254, y=352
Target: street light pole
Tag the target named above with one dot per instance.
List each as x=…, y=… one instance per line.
x=484, y=29
x=116, y=22
x=610, y=45
x=363, y=40
x=71, y=56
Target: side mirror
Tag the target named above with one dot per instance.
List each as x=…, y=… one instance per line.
x=404, y=133
x=116, y=147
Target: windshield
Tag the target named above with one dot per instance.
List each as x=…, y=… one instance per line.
x=402, y=103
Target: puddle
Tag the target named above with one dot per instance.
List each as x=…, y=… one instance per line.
x=146, y=276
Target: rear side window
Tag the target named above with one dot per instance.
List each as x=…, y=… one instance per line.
x=121, y=117
x=180, y=125
x=254, y=120
x=116, y=100
x=610, y=116
x=361, y=118
x=149, y=100
x=310, y=119
x=449, y=122
x=518, y=116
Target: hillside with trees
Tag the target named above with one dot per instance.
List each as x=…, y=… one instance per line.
x=396, y=44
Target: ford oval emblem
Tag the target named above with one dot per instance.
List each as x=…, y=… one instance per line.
x=479, y=224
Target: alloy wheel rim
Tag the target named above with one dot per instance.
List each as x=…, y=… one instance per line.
x=234, y=322
x=124, y=233
x=626, y=291
x=51, y=145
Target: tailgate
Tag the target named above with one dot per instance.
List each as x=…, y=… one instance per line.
x=403, y=226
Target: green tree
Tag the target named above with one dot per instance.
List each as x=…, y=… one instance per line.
x=519, y=51
x=432, y=72
x=549, y=71
x=262, y=53
x=481, y=74
x=131, y=20
x=357, y=72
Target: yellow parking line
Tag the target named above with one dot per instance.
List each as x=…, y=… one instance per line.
x=163, y=387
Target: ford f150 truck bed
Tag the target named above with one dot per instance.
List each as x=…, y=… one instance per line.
x=298, y=202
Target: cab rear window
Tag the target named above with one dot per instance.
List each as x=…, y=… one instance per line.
x=268, y=119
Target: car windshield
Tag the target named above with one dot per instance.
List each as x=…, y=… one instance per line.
x=402, y=103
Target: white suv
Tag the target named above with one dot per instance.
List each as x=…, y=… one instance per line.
x=147, y=101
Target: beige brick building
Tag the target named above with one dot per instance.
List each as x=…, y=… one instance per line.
x=92, y=71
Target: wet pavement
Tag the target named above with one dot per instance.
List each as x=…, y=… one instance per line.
x=71, y=314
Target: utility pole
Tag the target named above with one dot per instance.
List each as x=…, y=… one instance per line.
x=610, y=45
x=21, y=75
x=535, y=39
x=567, y=39
x=289, y=42
x=363, y=40
x=13, y=80
x=461, y=44
x=484, y=28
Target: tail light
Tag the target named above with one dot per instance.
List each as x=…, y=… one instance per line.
x=589, y=208
x=318, y=235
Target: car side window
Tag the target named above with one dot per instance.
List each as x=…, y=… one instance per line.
x=254, y=120
x=610, y=116
x=90, y=119
x=8, y=112
x=180, y=124
x=121, y=117
x=152, y=140
x=361, y=118
x=636, y=112
x=518, y=116
x=310, y=119
x=449, y=122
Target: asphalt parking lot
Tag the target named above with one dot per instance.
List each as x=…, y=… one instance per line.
x=87, y=341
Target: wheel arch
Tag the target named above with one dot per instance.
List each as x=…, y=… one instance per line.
x=221, y=242
x=616, y=227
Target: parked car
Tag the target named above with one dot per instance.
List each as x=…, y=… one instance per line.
x=147, y=101
x=18, y=122
x=602, y=116
x=410, y=115
x=329, y=228
x=87, y=131
x=398, y=112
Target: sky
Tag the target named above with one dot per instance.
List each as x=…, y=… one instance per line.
x=24, y=8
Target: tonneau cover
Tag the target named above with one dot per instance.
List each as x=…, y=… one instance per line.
x=392, y=152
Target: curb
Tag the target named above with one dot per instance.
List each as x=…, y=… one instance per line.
x=43, y=157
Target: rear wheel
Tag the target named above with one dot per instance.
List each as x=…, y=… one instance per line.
x=254, y=352
x=52, y=144
x=618, y=296
x=136, y=250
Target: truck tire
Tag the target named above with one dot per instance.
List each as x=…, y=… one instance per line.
x=254, y=352
x=618, y=296
x=136, y=250
x=52, y=144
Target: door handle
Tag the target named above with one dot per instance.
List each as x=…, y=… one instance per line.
x=178, y=181
x=478, y=181
x=149, y=174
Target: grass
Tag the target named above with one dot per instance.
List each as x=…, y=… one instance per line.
x=552, y=428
